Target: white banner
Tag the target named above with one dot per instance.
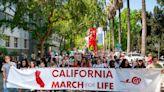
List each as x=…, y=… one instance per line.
x=100, y=79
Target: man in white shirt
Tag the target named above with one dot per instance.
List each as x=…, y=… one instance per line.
x=5, y=70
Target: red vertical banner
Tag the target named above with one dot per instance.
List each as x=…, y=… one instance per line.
x=92, y=39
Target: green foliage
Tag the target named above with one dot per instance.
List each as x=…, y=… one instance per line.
x=3, y=51
x=160, y=2
x=68, y=16
x=13, y=53
x=135, y=28
x=91, y=48
x=81, y=15
x=80, y=42
x=99, y=46
x=156, y=30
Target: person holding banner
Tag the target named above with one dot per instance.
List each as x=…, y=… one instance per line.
x=32, y=64
x=64, y=63
x=155, y=63
x=76, y=64
x=24, y=65
x=98, y=64
x=5, y=70
x=125, y=64
x=42, y=65
x=141, y=64
x=112, y=64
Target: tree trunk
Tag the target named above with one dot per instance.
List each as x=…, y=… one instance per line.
x=47, y=34
x=109, y=36
x=159, y=45
x=139, y=42
x=109, y=41
x=119, y=32
x=144, y=28
x=113, y=40
x=60, y=47
x=132, y=40
x=128, y=34
x=41, y=49
x=64, y=43
x=73, y=41
x=105, y=45
x=71, y=47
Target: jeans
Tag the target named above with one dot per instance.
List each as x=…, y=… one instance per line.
x=5, y=89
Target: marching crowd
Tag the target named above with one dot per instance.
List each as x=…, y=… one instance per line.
x=77, y=59
x=100, y=59
x=81, y=60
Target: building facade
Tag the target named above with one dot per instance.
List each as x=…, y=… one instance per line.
x=54, y=42
x=16, y=40
x=19, y=40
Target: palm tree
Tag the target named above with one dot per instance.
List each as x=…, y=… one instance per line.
x=119, y=10
x=119, y=5
x=111, y=14
x=144, y=28
x=128, y=35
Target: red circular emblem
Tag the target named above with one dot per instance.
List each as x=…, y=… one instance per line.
x=136, y=80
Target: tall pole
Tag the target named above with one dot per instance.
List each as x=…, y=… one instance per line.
x=119, y=32
x=144, y=28
x=113, y=40
x=128, y=35
x=109, y=35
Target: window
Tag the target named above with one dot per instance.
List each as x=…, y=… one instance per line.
x=15, y=42
x=7, y=41
x=25, y=43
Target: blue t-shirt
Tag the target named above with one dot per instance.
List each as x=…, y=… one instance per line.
x=6, y=67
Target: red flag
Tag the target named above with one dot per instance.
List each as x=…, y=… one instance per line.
x=92, y=38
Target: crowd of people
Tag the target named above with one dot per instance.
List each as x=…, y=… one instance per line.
x=77, y=59
x=80, y=60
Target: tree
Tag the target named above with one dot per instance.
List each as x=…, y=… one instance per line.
x=36, y=17
x=119, y=5
x=111, y=13
x=68, y=18
x=3, y=51
x=135, y=28
x=155, y=31
x=144, y=28
x=124, y=28
x=83, y=14
x=161, y=3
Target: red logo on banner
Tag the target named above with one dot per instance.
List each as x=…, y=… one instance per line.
x=92, y=38
x=39, y=81
x=134, y=80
